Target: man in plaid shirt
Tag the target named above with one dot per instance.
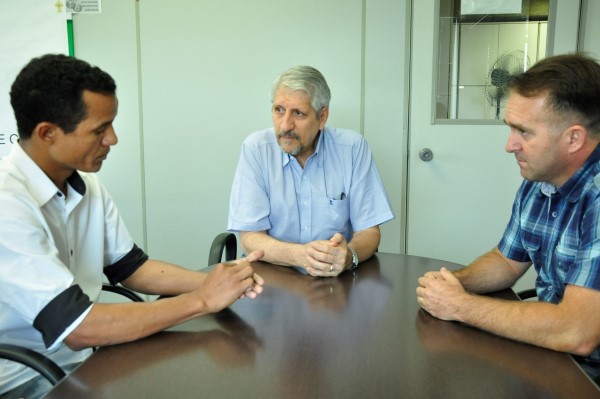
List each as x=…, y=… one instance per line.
x=553, y=112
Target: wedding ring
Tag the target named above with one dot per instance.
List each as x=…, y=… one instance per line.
x=331, y=268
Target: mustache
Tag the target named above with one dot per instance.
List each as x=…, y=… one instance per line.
x=289, y=133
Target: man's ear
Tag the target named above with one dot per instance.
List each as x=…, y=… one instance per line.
x=324, y=116
x=45, y=132
x=577, y=136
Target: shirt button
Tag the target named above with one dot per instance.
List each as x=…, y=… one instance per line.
x=305, y=203
x=554, y=214
x=551, y=288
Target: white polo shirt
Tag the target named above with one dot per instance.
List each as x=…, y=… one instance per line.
x=53, y=251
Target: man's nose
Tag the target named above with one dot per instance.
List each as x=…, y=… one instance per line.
x=287, y=122
x=110, y=138
x=512, y=144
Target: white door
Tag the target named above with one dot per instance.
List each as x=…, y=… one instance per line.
x=462, y=186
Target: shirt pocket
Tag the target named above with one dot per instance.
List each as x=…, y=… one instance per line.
x=338, y=212
x=532, y=244
x=565, y=253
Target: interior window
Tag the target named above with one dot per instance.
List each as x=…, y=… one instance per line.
x=481, y=44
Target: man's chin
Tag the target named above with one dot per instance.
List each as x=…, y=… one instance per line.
x=91, y=168
x=289, y=150
x=531, y=177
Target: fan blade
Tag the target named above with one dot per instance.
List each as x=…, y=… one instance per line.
x=500, y=77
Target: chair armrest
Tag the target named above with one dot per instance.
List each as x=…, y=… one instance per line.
x=223, y=242
x=30, y=358
x=117, y=289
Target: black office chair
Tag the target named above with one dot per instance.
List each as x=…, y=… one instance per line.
x=30, y=358
x=40, y=363
x=526, y=294
x=223, y=243
x=127, y=293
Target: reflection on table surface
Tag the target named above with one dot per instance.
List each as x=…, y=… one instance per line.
x=359, y=335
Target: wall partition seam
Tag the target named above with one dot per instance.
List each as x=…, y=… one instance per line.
x=583, y=7
x=551, y=23
x=407, y=125
x=363, y=56
x=141, y=124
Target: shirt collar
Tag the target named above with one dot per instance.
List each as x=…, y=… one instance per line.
x=77, y=182
x=38, y=183
x=320, y=155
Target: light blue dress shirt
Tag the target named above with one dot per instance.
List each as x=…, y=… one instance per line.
x=338, y=190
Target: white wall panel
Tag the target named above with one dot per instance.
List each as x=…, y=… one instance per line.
x=207, y=69
x=28, y=29
x=387, y=50
x=591, y=29
x=109, y=40
x=202, y=83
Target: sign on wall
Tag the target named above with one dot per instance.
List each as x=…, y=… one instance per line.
x=84, y=6
x=28, y=29
x=490, y=7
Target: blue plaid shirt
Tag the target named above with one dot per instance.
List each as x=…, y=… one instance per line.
x=559, y=231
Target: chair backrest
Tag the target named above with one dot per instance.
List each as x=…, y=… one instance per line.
x=117, y=289
x=42, y=364
x=223, y=242
x=30, y=358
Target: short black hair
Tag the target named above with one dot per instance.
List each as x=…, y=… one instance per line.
x=572, y=83
x=50, y=89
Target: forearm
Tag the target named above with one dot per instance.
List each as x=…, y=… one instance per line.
x=490, y=272
x=108, y=324
x=571, y=326
x=275, y=251
x=365, y=242
x=537, y=323
x=161, y=278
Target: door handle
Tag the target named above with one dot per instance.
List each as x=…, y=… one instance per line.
x=426, y=155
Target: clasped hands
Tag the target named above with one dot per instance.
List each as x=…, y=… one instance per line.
x=439, y=294
x=326, y=258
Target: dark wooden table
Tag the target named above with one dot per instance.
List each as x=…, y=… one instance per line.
x=360, y=335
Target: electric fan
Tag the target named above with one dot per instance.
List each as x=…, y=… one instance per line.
x=496, y=86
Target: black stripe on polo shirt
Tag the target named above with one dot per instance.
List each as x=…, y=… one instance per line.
x=126, y=266
x=60, y=313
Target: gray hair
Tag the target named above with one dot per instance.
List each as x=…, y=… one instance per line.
x=309, y=80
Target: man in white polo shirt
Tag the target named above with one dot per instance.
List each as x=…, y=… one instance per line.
x=60, y=230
